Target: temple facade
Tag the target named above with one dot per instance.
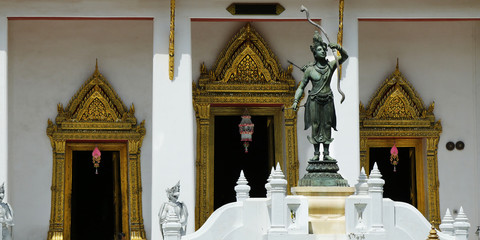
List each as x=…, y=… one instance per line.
x=153, y=84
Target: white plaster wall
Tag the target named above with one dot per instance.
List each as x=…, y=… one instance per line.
x=48, y=62
x=439, y=59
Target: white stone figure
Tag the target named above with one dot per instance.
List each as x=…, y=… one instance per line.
x=6, y=216
x=174, y=206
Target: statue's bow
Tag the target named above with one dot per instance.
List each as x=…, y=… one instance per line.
x=304, y=9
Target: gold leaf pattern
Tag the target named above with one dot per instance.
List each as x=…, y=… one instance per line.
x=97, y=112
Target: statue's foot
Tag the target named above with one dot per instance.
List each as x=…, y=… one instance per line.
x=328, y=158
x=315, y=158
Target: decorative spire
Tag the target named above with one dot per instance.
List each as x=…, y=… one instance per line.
x=447, y=223
x=362, y=186
x=375, y=181
x=433, y=233
x=278, y=173
x=96, y=73
x=242, y=188
x=268, y=186
x=461, y=224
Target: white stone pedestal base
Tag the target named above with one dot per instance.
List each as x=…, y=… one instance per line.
x=326, y=208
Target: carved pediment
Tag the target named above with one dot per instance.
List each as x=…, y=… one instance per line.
x=246, y=64
x=95, y=106
x=396, y=104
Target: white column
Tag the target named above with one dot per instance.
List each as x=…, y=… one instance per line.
x=347, y=112
x=3, y=103
x=172, y=119
x=346, y=144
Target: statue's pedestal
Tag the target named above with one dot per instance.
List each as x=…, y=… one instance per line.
x=326, y=208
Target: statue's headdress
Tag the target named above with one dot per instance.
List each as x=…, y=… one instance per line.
x=173, y=189
x=318, y=41
x=2, y=188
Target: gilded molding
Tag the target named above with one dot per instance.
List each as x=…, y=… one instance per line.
x=397, y=111
x=246, y=72
x=94, y=113
x=171, y=44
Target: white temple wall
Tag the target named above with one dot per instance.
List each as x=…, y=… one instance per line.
x=440, y=60
x=48, y=63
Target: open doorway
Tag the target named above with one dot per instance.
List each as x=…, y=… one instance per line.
x=400, y=180
x=407, y=182
x=96, y=199
x=230, y=157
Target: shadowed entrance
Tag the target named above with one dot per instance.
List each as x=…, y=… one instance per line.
x=230, y=157
x=96, y=200
x=400, y=185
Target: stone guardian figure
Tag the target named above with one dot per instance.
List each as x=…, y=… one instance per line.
x=175, y=206
x=6, y=216
x=319, y=108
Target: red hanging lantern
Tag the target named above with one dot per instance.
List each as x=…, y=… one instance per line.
x=394, y=157
x=96, y=159
x=246, y=129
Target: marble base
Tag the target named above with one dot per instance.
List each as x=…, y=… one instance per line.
x=326, y=208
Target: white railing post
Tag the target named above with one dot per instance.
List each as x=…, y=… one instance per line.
x=461, y=226
x=447, y=224
x=279, y=189
x=375, y=190
x=242, y=189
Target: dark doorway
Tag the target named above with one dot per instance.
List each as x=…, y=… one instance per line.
x=400, y=185
x=230, y=157
x=95, y=203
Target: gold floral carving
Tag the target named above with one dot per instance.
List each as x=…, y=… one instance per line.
x=95, y=113
x=397, y=112
x=246, y=73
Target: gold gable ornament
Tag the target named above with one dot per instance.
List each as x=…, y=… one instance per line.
x=96, y=114
x=246, y=73
x=397, y=113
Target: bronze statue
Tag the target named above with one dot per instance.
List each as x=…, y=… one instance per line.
x=175, y=206
x=319, y=108
x=6, y=216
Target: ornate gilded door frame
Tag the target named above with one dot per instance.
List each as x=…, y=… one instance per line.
x=95, y=114
x=397, y=112
x=71, y=146
x=246, y=74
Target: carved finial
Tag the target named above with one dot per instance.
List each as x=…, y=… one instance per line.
x=60, y=108
x=362, y=186
x=375, y=181
x=242, y=188
x=433, y=233
x=396, y=68
x=268, y=186
x=96, y=73
x=447, y=223
x=461, y=225
x=248, y=27
x=203, y=69
x=132, y=109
